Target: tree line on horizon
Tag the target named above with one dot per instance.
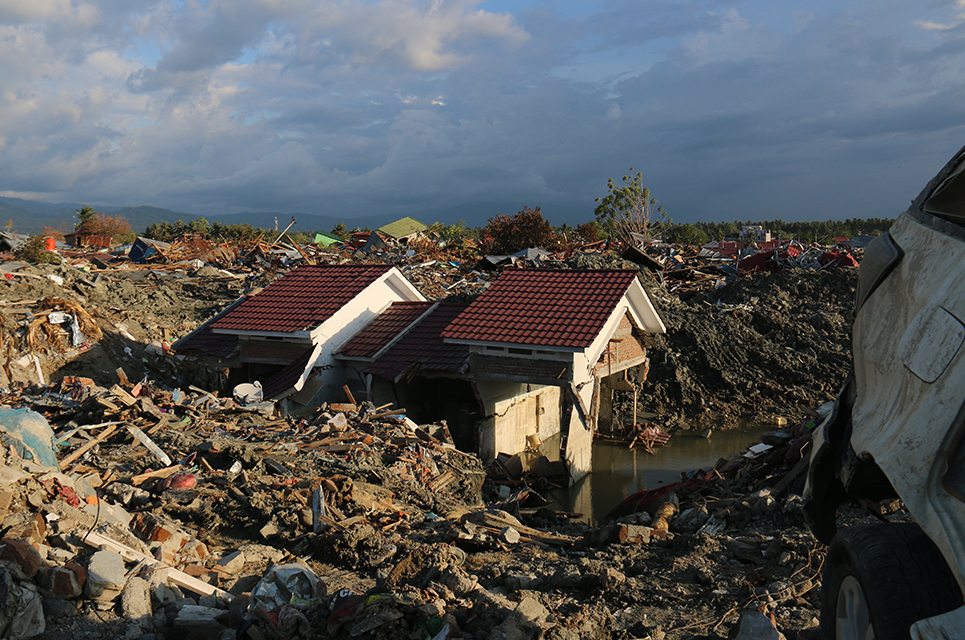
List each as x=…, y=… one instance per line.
x=628, y=212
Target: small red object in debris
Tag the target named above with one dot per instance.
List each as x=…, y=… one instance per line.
x=180, y=481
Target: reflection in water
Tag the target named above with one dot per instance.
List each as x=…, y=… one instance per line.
x=619, y=472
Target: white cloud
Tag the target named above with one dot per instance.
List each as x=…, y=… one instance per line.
x=412, y=106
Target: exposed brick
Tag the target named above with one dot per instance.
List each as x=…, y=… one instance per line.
x=60, y=582
x=21, y=556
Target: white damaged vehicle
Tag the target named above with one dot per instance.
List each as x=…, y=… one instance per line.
x=898, y=431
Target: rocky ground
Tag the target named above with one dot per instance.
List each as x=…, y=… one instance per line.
x=436, y=553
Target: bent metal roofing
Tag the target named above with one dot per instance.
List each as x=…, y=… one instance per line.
x=543, y=307
x=301, y=299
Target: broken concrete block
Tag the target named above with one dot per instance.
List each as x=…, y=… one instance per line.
x=195, y=550
x=754, y=625
x=637, y=534
x=612, y=577
x=233, y=563
x=59, y=582
x=136, y=599
x=60, y=556
x=195, y=616
x=166, y=594
x=528, y=616
x=458, y=581
x=106, y=575
x=153, y=529
x=509, y=535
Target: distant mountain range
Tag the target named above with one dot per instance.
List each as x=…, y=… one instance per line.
x=30, y=217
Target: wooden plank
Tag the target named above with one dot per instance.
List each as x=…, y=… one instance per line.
x=123, y=395
x=160, y=473
x=348, y=394
x=84, y=448
x=160, y=425
x=107, y=404
x=95, y=540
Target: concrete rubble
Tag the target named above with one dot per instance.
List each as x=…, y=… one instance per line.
x=165, y=508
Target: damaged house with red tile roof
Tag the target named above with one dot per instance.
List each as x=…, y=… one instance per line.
x=546, y=349
x=283, y=336
x=532, y=361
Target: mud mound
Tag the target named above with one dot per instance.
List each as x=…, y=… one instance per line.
x=762, y=346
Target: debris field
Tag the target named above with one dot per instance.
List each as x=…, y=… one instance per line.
x=167, y=509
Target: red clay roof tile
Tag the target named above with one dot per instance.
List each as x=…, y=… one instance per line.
x=301, y=299
x=548, y=307
x=423, y=348
x=383, y=329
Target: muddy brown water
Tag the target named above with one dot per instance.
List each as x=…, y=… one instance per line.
x=619, y=472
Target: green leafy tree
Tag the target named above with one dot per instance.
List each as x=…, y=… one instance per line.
x=162, y=231
x=341, y=231
x=590, y=232
x=116, y=227
x=85, y=214
x=629, y=208
x=200, y=226
x=452, y=235
x=687, y=234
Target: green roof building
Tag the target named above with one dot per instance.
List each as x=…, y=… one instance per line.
x=402, y=228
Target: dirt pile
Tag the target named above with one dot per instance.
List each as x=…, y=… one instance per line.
x=762, y=346
x=753, y=348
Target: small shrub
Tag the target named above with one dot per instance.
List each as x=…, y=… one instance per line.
x=35, y=251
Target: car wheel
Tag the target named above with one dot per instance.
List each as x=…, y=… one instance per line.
x=879, y=579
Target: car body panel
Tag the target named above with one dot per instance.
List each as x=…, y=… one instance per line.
x=909, y=369
x=898, y=427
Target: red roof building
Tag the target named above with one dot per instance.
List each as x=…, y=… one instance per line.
x=285, y=334
x=558, y=308
x=422, y=348
x=301, y=299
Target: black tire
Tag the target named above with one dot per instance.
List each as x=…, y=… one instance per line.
x=901, y=576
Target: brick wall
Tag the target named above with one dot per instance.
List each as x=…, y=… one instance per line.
x=624, y=347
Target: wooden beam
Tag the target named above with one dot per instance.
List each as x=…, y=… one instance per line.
x=84, y=448
x=179, y=578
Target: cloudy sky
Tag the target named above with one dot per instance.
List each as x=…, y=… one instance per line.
x=454, y=109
